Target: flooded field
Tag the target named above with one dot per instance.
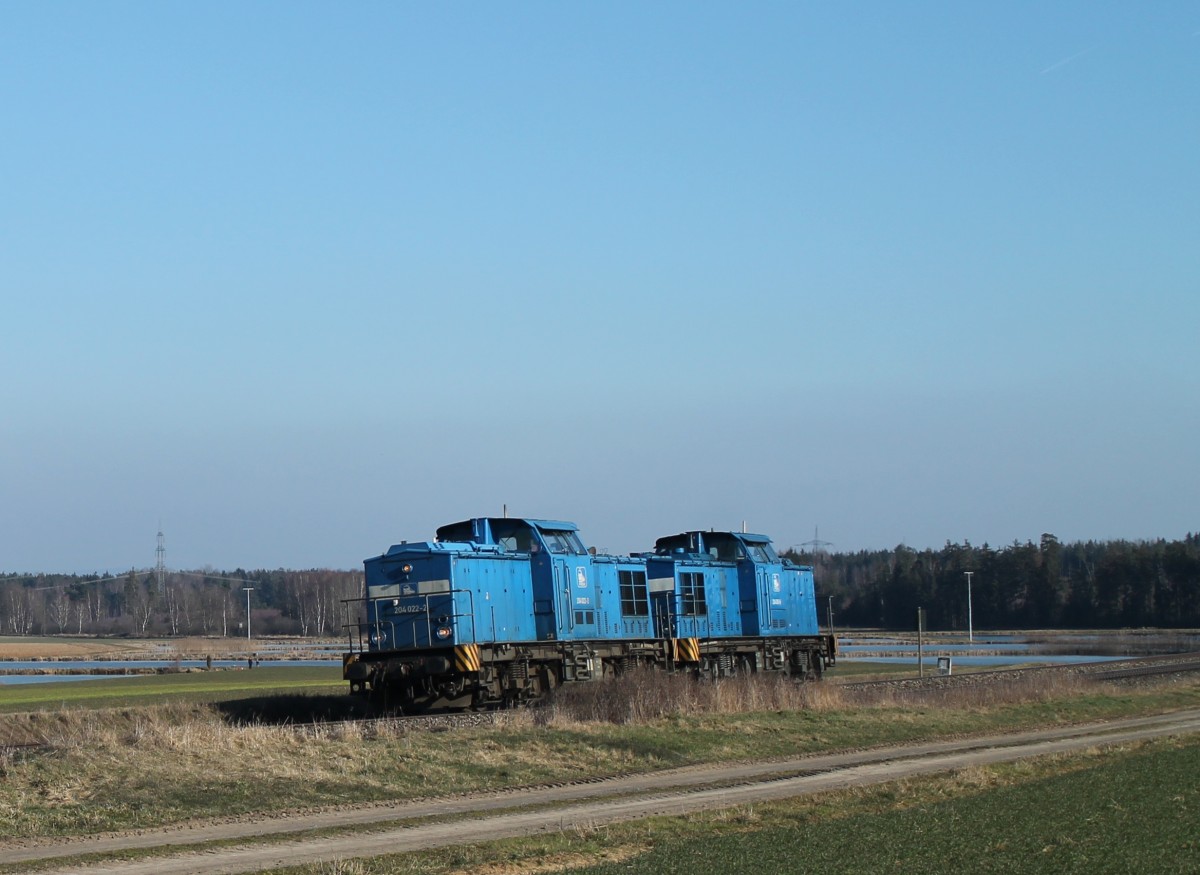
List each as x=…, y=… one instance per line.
x=47, y=660
x=1000, y=649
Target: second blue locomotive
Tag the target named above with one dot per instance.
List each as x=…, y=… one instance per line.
x=497, y=611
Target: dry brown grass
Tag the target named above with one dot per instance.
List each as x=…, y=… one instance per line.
x=645, y=695
x=69, y=648
x=1013, y=688
x=197, y=646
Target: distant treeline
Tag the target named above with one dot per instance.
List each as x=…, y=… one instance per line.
x=282, y=602
x=1048, y=585
x=1109, y=584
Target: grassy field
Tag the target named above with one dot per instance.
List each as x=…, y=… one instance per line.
x=147, y=751
x=857, y=670
x=50, y=647
x=197, y=686
x=35, y=647
x=138, y=766
x=1104, y=812
x=1134, y=811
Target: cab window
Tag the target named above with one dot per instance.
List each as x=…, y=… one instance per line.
x=562, y=542
x=725, y=549
x=516, y=537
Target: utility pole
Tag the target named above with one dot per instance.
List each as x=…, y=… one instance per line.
x=970, y=618
x=920, y=642
x=248, y=589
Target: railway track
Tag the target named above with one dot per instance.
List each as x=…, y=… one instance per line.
x=1144, y=667
x=1108, y=671
x=1128, y=670
x=1154, y=667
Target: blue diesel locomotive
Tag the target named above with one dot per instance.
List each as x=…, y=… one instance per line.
x=499, y=611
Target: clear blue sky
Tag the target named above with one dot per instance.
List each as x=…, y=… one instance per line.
x=301, y=280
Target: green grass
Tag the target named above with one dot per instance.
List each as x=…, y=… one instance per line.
x=860, y=668
x=172, y=687
x=1138, y=812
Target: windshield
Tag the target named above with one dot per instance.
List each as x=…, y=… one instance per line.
x=761, y=552
x=514, y=535
x=563, y=542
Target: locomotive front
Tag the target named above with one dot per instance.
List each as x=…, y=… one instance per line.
x=428, y=606
x=415, y=629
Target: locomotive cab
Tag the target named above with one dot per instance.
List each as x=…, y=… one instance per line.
x=428, y=606
x=772, y=596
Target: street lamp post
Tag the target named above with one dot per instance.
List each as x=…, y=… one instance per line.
x=970, y=618
x=248, y=589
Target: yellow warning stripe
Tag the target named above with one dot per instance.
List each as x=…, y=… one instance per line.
x=686, y=649
x=348, y=659
x=466, y=657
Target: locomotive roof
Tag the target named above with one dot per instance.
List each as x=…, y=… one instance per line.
x=554, y=525
x=745, y=536
x=723, y=545
x=544, y=525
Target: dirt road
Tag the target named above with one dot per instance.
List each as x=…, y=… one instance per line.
x=493, y=816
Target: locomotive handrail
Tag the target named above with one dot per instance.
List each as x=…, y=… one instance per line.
x=377, y=624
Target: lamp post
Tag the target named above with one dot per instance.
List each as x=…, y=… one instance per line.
x=920, y=642
x=248, y=589
x=970, y=618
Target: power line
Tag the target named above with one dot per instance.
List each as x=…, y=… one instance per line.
x=816, y=543
x=160, y=565
x=135, y=573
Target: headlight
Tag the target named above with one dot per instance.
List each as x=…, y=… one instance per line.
x=443, y=632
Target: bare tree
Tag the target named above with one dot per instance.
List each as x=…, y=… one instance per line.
x=300, y=589
x=20, y=609
x=58, y=608
x=140, y=599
